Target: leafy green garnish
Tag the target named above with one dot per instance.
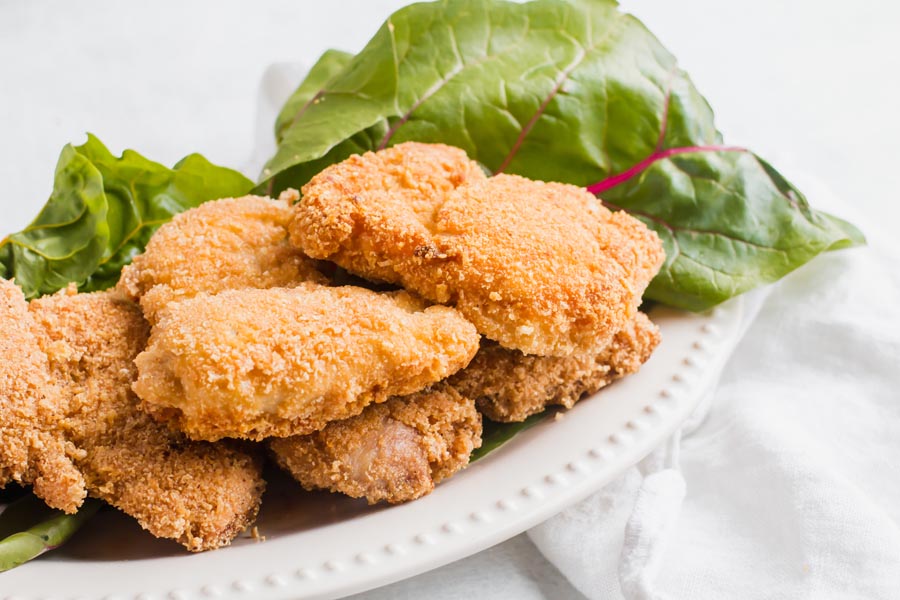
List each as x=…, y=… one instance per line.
x=329, y=64
x=572, y=91
x=101, y=213
x=68, y=237
x=729, y=223
x=495, y=435
x=47, y=530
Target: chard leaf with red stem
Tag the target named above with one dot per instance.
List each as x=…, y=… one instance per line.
x=574, y=91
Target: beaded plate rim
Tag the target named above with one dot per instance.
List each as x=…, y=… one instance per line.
x=457, y=520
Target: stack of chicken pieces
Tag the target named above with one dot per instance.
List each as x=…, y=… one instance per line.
x=253, y=326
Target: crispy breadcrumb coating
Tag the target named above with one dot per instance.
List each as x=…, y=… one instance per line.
x=197, y=493
x=372, y=214
x=258, y=363
x=509, y=386
x=394, y=452
x=539, y=267
x=448, y=425
x=220, y=245
x=32, y=451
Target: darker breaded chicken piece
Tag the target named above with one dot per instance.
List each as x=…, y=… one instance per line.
x=32, y=450
x=219, y=245
x=509, y=386
x=197, y=493
x=393, y=452
x=539, y=267
x=257, y=363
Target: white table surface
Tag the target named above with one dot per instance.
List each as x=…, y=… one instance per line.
x=810, y=84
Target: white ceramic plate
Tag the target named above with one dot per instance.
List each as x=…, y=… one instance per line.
x=324, y=546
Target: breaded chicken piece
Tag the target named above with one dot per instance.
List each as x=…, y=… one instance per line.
x=373, y=214
x=197, y=493
x=423, y=453
x=509, y=386
x=258, y=363
x=539, y=267
x=32, y=451
x=394, y=452
x=220, y=245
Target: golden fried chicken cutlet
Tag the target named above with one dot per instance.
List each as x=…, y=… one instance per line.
x=372, y=214
x=220, y=245
x=395, y=451
x=197, y=493
x=539, y=267
x=436, y=430
x=32, y=450
x=285, y=361
x=509, y=386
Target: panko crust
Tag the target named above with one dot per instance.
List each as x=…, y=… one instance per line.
x=197, y=493
x=32, y=405
x=287, y=361
x=539, y=267
x=392, y=452
x=509, y=386
x=219, y=245
x=371, y=214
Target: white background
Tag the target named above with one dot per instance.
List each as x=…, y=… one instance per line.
x=811, y=85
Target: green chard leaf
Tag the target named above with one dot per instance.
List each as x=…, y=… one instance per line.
x=50, y=529
x=497, y=434
x=718, y=244
x=102, y=212
x=70, y=232
x=329, y=64
x=573, y=91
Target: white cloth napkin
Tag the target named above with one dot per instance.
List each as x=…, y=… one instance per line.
x=792, y=485
x=782, y=485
